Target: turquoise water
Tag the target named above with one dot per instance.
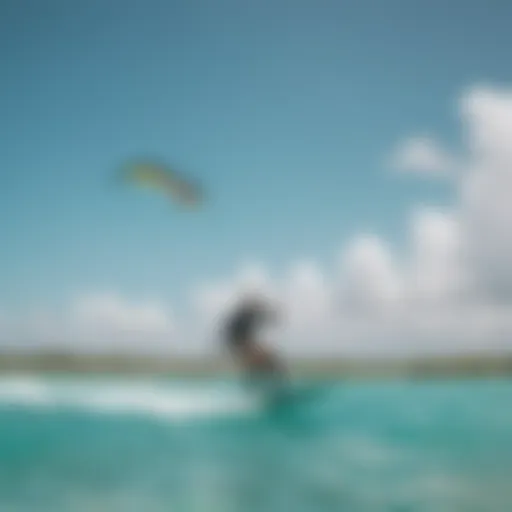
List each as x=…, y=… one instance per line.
x=163, y=445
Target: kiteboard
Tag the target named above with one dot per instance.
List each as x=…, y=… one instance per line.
x=275, y=391
x=294, y=395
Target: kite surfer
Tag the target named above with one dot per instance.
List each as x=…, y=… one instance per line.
x=256, y=361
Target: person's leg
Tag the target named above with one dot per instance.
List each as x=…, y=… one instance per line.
x=264, y=366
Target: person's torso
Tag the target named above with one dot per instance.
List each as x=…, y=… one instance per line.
x=244, y=322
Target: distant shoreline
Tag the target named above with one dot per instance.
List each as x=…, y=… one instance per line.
x=479, y=365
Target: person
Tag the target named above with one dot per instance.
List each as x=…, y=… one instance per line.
x=240, y=329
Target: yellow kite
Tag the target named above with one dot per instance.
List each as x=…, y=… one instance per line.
x=161, y=177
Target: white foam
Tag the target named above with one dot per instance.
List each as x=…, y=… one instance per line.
x=175, y=402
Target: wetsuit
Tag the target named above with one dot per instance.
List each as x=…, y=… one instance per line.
x=240, y=338
x=241, y=326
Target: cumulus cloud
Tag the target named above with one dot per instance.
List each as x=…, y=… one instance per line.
x=369, y=277
x=422, y=155
x=305, y=293
x=211, y=300
x=97, y=322
x=484, y=194
x=111, y=313
x=486, y=113
x=438, y=269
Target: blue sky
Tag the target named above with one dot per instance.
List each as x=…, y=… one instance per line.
x=286, y=110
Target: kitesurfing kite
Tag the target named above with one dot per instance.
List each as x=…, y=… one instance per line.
x=163, y=179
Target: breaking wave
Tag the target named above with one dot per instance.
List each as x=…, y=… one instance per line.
x=172, y=401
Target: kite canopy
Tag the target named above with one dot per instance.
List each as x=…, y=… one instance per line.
x=164, y=179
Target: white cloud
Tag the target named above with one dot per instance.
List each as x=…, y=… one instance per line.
x=487, y=116
x=211, y=300
x=111, y=313
x=423, y=156
x=97, y=322
x=305, y=293
x=438, y=268
x=369, y=278
x=485, y=192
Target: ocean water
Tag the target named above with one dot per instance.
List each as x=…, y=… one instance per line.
x=154, y=445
